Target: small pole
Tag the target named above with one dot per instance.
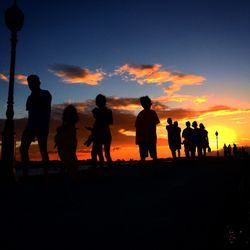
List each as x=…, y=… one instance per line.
x=217, y=142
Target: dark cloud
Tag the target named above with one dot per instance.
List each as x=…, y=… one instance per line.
x=76, y=74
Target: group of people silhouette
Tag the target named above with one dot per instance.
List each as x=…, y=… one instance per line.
x=233, y=151
x=38, y=106
x=195, y=139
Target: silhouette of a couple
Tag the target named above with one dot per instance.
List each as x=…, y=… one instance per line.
x=100, y=132
x=174, y=137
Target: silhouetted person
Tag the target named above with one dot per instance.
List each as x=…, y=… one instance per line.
x=229, y=150
x=235, y=150
x=204, y=139
x=177, y=138
x=101, y=133
x=171, y=137
x=97, y=146
x=187, y=134
x=145, y=124
x=38, y=106
x=225, y=150
x=66, y=142
x=196, y=140
x=243, y=151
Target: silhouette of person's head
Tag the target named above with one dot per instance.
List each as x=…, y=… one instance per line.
x=100, y=101
x=188, y=124
x=194, y=124
x=176, y=124
x=145, y=102
x=202, y=126
x=70, y=115
x=169, y=121
x=33, y=82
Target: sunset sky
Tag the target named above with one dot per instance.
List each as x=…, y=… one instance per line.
x=191, y=57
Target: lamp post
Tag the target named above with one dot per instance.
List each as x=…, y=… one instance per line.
x=217, y=143
x=14, y=19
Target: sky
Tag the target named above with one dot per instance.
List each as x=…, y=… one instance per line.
x=192, y=58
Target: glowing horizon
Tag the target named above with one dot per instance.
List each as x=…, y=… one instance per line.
x=190, y=57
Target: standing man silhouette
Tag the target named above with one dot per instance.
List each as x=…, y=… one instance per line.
x=196, y=140
x=177, y=138
x=187, y=134
x=145, y=125
x=38, y=106
x=171, y=137
x=204, y=139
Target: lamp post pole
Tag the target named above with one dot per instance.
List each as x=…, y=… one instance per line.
x=217, y=143
x=14, y=19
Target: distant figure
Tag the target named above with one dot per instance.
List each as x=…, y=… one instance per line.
x=177, y=138
x=171, y=137
x=243, y=152
x=229, y=150
x=187, y=134
x=101, y=134
x=196, y=140
x=225, y=150
x=38, y=106
x=145, y=125
x=235, y=150
x=204, y=139
x=66, y=142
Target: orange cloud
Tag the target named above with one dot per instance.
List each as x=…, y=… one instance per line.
x=75, y=74
x=224, y=111
x=197, y=100
x=154, y=74
x=3, y=77
x=180, y=80
x=20, y=78
x=127, y=132
x=128, y=104
x=236, y=103
x=138, y=71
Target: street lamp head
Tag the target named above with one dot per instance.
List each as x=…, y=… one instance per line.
x=14, y=18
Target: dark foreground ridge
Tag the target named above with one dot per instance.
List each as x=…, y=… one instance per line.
x=173, y=205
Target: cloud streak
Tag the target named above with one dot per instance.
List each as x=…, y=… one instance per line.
x=4, y=77
x=75, y=75
x=22, y=79
x=155, y=74
x=141, y=74
x=197, y=100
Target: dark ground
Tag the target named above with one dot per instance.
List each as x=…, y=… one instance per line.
x=175, y=205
